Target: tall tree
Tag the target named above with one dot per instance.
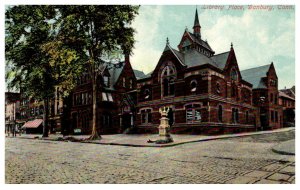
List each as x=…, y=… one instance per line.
x=27, y=28
x=92, y=32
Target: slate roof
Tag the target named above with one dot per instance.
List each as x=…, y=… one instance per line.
x=115, y=70
x=139, y=74
x=283, y=94
x=220, y=59
x=194, y=58
x=200, y=41
x=255, y=75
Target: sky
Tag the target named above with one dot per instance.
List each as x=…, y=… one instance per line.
x=259, y=36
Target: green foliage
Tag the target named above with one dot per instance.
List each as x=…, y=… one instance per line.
x=26, y=29
x=48, y=46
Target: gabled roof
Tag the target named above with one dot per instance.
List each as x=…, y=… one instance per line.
x=139, y=74
x=177, y=54
x=283, y=94
x=194, y=58
x=200, y=41
x=290, y=91
x=115, y=70
x=221, y=59
x=255, y=75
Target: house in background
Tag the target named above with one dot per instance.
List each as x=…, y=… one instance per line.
x=116, y=89
x=287, y=101
x=265, y=95
x=12, y=111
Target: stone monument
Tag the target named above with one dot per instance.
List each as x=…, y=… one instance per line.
x=163, y=128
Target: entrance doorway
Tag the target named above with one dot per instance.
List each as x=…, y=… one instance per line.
x=126, y=121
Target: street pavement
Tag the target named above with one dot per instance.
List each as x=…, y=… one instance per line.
x=140, y=140
x=243, y=160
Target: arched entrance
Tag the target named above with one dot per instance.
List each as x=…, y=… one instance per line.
x=126, y=118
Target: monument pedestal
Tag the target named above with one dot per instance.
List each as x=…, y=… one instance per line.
x=163, y=128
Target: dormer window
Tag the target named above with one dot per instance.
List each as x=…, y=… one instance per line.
x=106, y=80
x=233, y=75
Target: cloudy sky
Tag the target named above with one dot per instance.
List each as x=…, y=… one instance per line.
x=258, y=36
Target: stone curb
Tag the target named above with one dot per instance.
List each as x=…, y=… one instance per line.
x=209, y=138
x=283, y=148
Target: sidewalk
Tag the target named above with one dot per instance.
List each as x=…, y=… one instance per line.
x=285, y=148
x=140, y=140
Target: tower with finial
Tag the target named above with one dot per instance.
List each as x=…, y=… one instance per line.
x=197, y=27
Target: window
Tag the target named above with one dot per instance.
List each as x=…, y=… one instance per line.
x=233, y=74
x=193, y=113
x=106, y=80
x=220, y=113
x=107, y=97
x=233, y=90
x=276, y=116
x=147, y=94
x=146, y=116
x=166, y=87
x=275, y=99
x=247, y=116
x=271, y=97
x=272, y=115
x=106, y=120
x=218, y=88
x=167, y=80
x=130, y=83
x=90, y=98
x=172, y=88
x=193, y=85
x=124, y=82
x=235, y=115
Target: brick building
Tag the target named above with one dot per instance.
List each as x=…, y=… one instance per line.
x=12, y=110
x=287, y=101
x=116, y=100
x=265, y=95
x=205, y=91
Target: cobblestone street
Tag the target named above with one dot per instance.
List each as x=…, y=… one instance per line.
x=234, y=160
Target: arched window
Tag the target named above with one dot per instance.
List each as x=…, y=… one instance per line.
x=166, y=87
x=220, y=113
x=168, y=76
x=193, y=85
x=233, y=90
x=171, y=86
x=233, y=74
x=147, y=93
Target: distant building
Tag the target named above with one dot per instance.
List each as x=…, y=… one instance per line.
x=287, y=101
x=265, y=95
x=12, y=113
x=116, y=100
